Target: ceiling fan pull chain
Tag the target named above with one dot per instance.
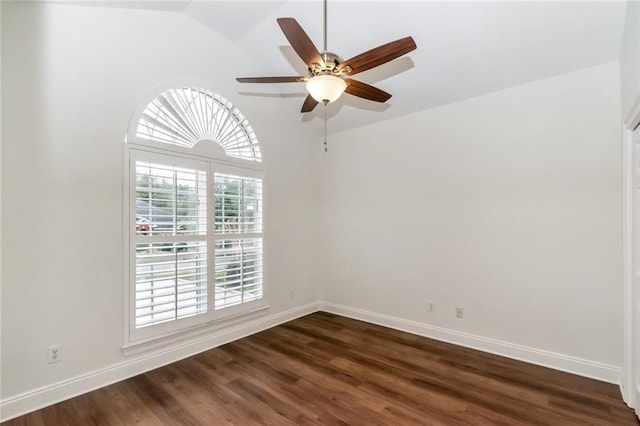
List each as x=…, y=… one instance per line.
x=326, y=149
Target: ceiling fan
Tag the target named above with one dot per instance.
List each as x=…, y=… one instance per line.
x=329, y=76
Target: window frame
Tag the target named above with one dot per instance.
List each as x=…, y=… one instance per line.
x=214, y=155
x=211, y=165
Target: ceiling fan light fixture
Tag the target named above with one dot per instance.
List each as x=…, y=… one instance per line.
x=325, y=87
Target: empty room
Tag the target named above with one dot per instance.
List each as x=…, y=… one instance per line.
x=319, y=212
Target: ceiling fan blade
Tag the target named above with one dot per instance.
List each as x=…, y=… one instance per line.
x=300, y=41
x=378, y=55
x=363, y=90
x=271, y=79
x=309, y=104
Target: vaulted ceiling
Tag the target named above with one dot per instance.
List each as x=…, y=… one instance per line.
x=465, y=49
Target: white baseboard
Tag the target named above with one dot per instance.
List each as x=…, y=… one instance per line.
x=579, y=366
x=57, y=392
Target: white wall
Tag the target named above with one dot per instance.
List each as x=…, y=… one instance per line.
x=507, y=205
x=0, y=198
x=630, y=59
x=72, y=76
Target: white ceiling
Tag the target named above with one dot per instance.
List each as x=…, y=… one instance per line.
x=465, y=49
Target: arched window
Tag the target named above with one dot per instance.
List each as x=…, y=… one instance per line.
x=194, y=232
x=188, y=115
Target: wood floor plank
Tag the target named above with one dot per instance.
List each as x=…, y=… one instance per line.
x=324, y=369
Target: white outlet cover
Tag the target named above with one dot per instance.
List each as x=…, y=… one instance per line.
x=54, y=354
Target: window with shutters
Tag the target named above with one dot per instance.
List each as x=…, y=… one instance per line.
x=194, y=221
x=238, y=230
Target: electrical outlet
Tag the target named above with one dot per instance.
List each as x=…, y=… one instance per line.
x=292, y=294
x=54, y=354
x=459, y=312
x=432, y=306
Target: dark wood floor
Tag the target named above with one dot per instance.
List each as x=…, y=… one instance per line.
x=326, y=369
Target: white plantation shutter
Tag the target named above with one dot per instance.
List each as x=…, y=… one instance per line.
x=170, y=243
x=188, y=115
x=196, y=243
x=238, y=236
x=238, y=271
x=171, y=282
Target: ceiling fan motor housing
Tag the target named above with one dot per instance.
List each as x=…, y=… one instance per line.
x=331, y=62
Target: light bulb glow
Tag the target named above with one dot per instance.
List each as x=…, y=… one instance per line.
x=325, y=87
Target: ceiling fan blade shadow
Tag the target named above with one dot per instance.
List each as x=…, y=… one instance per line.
x=378, y=55
x=292, y=79
x=300, y=41
x=366, y=91
x=309, y=104
x=293, y=59
x=362, y=105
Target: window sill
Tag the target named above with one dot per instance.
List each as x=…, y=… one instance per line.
x=192, y=334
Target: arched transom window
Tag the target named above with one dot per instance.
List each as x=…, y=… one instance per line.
x=188, y=115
